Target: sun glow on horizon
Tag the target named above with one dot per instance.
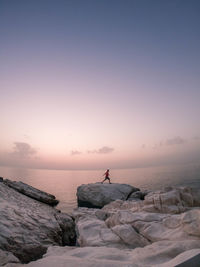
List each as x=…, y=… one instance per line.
x=104, y=86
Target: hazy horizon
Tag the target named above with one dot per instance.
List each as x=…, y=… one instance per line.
x=99, y=84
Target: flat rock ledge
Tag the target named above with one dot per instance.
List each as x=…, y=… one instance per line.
x=97, y=195
x=32, y=192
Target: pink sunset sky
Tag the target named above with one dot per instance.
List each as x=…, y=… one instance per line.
x=99, y=84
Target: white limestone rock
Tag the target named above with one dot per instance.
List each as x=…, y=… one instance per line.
x=162, y=252
x=28, y=227
x=156, y=227
x=129, y=236
x=94, y=232
x=84, y=257
x=169, y=200
x=190, y=221
x=97, y=195
x=98, y=213
x=129, y=217
x=161, y=230
x=128, y=229
x=157, y=254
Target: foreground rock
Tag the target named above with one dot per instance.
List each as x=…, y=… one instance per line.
x=7, y=257
x=29, y=227
x=159, y=228
x=92, y=230
x=32, y=192
x=97, y=195
x=127, y=229
x=159, y=254
x=163, y=230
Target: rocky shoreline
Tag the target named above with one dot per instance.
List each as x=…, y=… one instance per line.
x=114, y=225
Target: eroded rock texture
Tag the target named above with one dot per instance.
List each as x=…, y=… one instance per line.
x=28, y=227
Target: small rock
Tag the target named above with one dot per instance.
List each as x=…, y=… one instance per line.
x=137, y=195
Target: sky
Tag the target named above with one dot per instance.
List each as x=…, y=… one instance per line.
x=88, y=84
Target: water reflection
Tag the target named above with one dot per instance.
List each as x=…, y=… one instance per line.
x=15, y=173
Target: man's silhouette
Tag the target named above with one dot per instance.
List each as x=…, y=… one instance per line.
x=106, y=174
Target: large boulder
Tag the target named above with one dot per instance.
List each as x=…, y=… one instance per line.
x=28, y=227
x=92, y=230
x=97, y=195
x=32, y=192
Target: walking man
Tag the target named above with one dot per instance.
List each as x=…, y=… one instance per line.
x=106, y=174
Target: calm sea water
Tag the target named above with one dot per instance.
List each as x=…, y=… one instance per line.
x=63, y=183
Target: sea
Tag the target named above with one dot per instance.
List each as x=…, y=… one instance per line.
x=63, y=183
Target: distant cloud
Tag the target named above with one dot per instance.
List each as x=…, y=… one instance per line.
x=75, y=152
x=175, y=141
x=102, y=150
x=143, y=146
x=26, y=136
x=170, y=142
x=105, y=150
x=23, y=150
x=91, y=151
x=196, y=138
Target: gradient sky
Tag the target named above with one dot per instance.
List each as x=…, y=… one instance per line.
x=97, y=84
